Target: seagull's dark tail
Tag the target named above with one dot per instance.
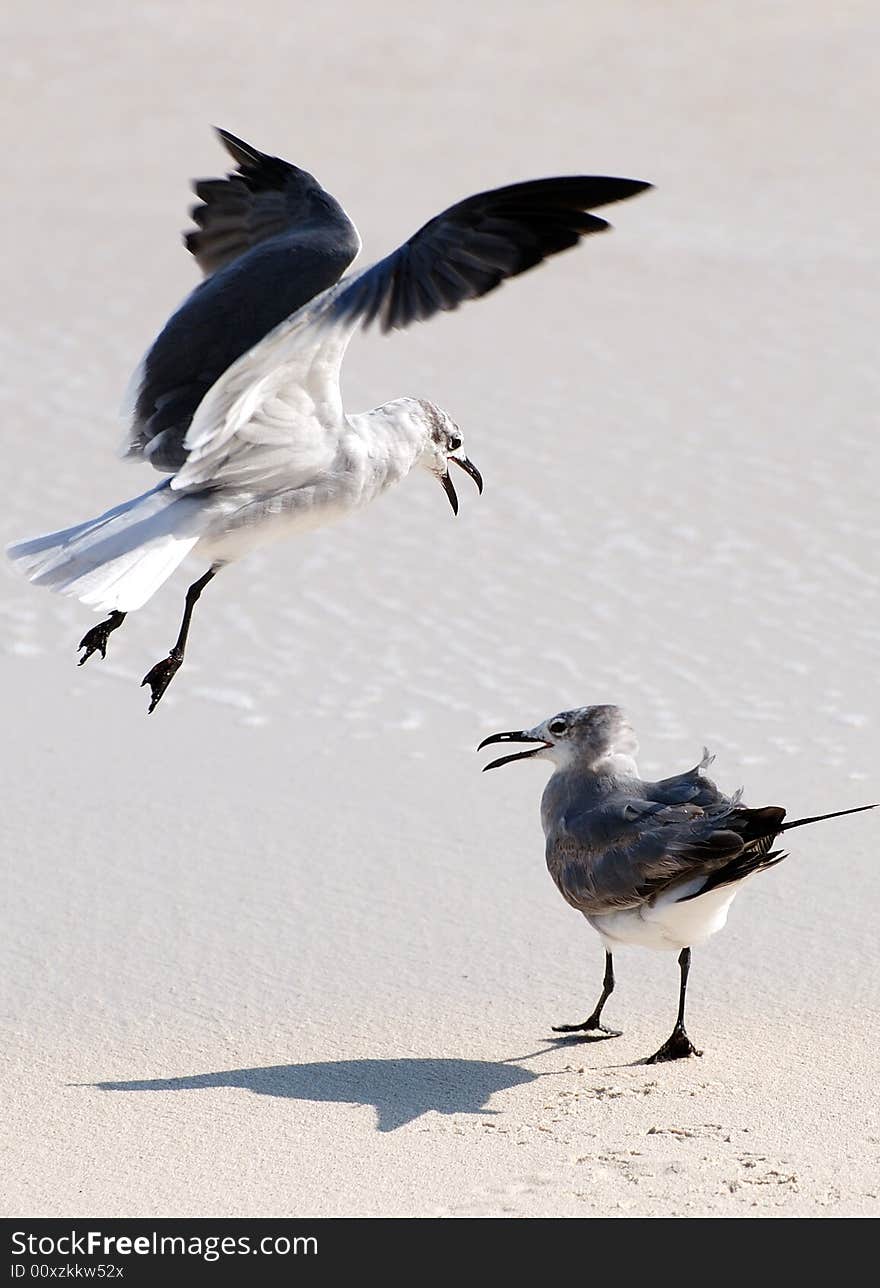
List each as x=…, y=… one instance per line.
x=819, y=818
x=759, y=829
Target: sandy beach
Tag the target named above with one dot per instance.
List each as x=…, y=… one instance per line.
x=280, y=949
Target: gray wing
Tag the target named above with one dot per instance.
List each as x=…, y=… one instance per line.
x=694, y=786
x=626, y=852
x=270, y=239
x=472, y=247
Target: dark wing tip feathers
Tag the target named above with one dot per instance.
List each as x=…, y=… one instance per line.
x=242, y=153
x=245, y=207
x=471, y=248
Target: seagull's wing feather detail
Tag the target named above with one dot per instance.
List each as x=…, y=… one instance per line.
x=626, y=852
x=270, y=239
x=271, y=420
x=262, y=419
x=758, y=828
x=694, y=785
x=475, y=245
x=265, y=198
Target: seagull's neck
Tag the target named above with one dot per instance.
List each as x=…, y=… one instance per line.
x=584, y=785
x=389, y=443
x=615, y=764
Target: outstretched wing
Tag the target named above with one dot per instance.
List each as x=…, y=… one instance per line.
x=264, y=199
x=270, y=239
x=625, y=853
x=253, y=420
x=475, y=245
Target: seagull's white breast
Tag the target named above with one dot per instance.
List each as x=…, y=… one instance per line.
x=669, y=924
x=359, y=469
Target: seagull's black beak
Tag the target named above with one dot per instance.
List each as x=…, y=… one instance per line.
x=469, y=468
x=449, y=489
x=519, y=736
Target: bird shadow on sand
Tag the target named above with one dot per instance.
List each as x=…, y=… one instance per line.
x=400, y=1090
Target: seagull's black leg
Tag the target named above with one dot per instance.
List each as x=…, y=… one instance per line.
x=161, y=675
x=95, y=640
x=678, y=1045
x=592, y=1025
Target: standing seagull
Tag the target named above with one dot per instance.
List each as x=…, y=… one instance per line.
x=652, y=864
x=239, y=395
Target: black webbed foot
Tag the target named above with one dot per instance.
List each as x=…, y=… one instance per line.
x=677, y=1046
x=160, y=676
x=95, y=640
x=592, y=1030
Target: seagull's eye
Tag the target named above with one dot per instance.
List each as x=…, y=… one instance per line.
x=557, y=726
x=454, y=443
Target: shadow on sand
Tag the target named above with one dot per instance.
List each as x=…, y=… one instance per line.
x=400, y=1090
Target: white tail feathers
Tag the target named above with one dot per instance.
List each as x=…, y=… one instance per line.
x=119, y=560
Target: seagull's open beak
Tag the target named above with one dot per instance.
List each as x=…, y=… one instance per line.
x=449, y=489
x=469, y=468
x=520, y=736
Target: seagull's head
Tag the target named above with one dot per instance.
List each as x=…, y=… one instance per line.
x=443, y=443
x=600, y=739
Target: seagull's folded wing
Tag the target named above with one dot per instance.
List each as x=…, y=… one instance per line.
x=622, y=855
x=473, y=246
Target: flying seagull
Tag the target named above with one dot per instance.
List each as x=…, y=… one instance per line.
x=239, y=398
x=652, y=864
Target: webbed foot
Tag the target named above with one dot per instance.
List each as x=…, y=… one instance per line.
x=591, y=1029
x=160, y=676
x=95, y=640
x=677, y=1046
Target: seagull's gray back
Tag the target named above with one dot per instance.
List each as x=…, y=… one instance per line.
x=615, y=841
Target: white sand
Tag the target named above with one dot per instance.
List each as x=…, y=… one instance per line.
x=317, y=952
